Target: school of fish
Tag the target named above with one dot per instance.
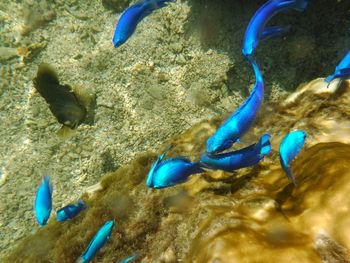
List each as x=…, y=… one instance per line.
x=166, y=173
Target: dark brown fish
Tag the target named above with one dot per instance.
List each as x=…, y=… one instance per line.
x=62, y=101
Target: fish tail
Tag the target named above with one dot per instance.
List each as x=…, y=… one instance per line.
x=329, y=79
x=258, y=75
x=65, y=133
x=264, y=144
x=290, y=175
x=46, y=180
x=300, y=5
x=197, y=167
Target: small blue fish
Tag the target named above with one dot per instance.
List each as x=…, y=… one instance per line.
x=290, y=146
x=342, y=70
x=132, y=16
x=70, y=211
x=43, y=201
x=129, y=258
x=240, y=121
x=256, y=28
x=245, y=157
x=101, y=237
x=171, y=172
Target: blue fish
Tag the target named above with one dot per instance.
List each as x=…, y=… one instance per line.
x=129, y=258
x=171, y=172
x=245, y=157
x=342, y=70
x=132, y=16
x=256, y=28
x=240, y=121
x=69, y=211
x=101, y=237
x=43, y=201
x=290, y=146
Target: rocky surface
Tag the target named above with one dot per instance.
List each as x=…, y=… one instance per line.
x=251, y=215
x=182, y=66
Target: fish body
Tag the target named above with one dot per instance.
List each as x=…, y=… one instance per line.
x=132, y=16
x=240, y=121
x=101, y=237
x=290, y=146
x=245, y=157
x=342, y=70
x=256, y=26
x=43, y=201
x=171, y=172
x=62, y=102
x=69, y=211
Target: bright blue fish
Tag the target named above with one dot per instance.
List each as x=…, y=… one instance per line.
x=132, y=16
x=240, y=121
x=171, y=172
x=97, y=241
x=245, y=157
x=69, y=211
x=256, y=28
x=43, y=201
x=290, y=146
x=129, y=259
x=342, y=70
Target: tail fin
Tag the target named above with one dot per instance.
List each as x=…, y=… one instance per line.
x=197, y=168
x=300, y=5
x=257, y=73
x=290, y=175
x=264, y=144
x=47, y=181
x=329, y=79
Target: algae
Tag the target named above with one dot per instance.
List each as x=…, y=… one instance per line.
x=146, y=93
x=220, y=216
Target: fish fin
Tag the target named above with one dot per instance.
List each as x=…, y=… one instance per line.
x=274, y=31
x=85, y=97
x=197, y=167
x=47, y=181
x=329, y=79
x=65, y=132
x=300, y=5
x=149, y=180
x=264, y=144
x=290, y=175
x=81, y=202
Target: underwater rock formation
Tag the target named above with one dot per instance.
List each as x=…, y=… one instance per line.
x=252, y=215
